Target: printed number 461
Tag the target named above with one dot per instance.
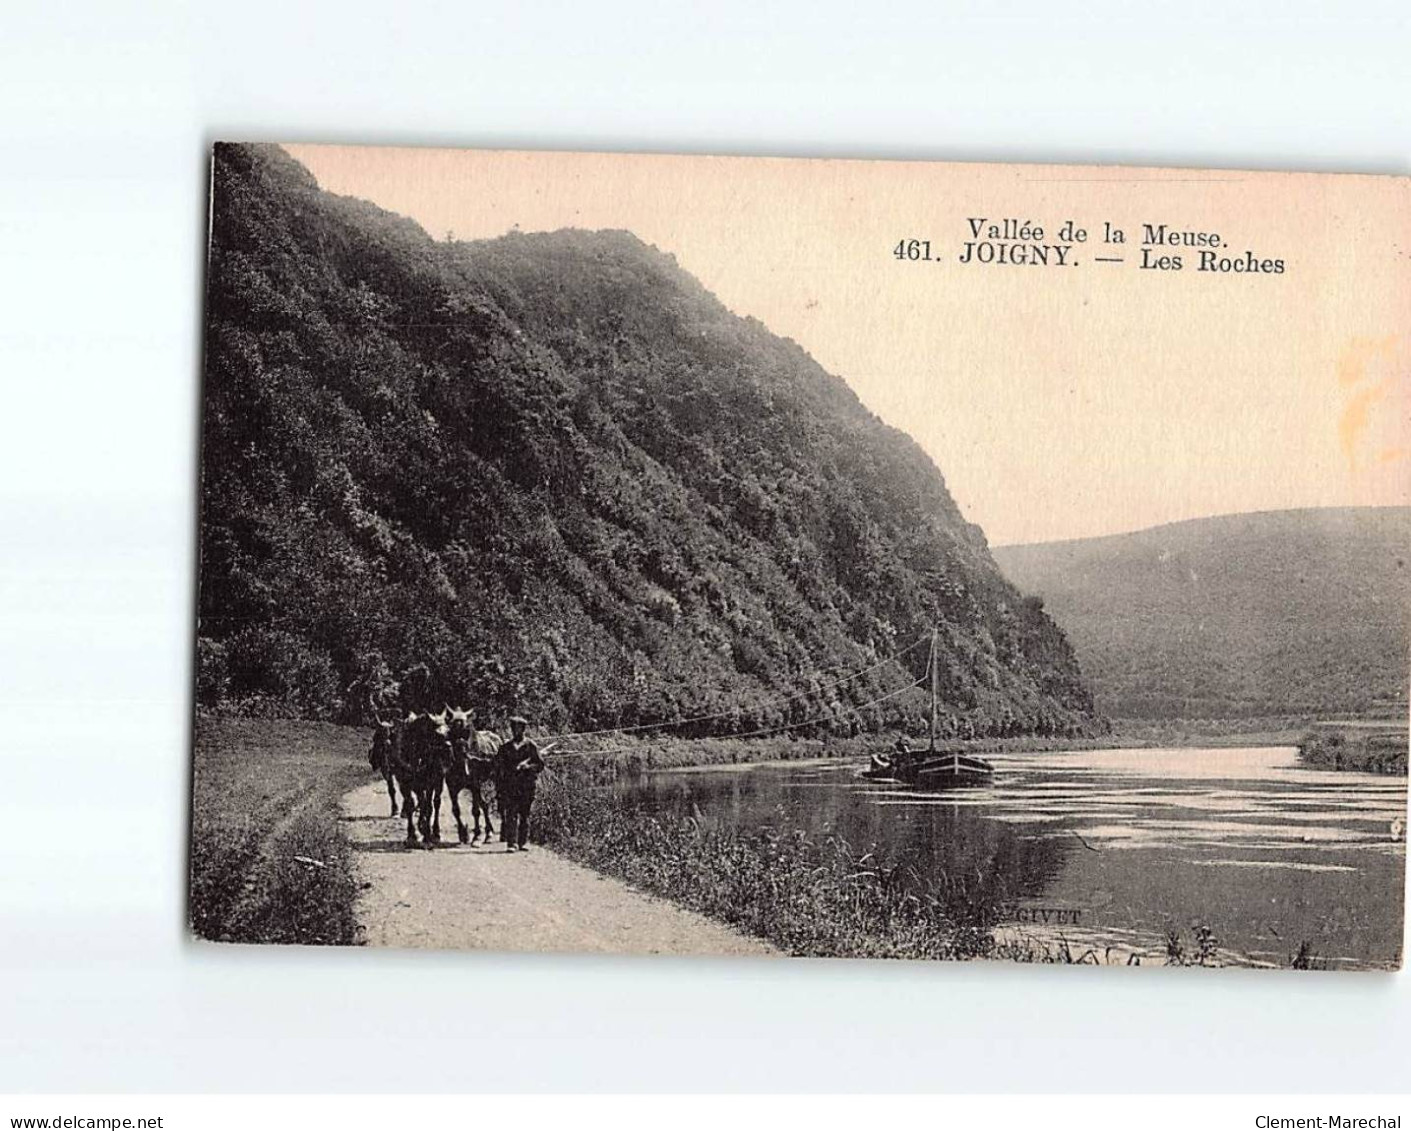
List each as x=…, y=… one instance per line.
x=912, y=249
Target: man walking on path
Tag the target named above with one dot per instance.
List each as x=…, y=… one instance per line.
x=517, y=767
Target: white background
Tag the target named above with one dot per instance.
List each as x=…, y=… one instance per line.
x=106, y=114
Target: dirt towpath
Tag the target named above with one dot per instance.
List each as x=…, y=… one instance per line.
x=485, y=898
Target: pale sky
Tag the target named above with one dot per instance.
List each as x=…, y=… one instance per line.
x=1058, y=402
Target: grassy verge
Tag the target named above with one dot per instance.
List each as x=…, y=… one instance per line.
x=607, y=759
x=269, y=861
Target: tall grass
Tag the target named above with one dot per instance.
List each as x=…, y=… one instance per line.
x=269, y=859
x=1368, y=748
x=808, y=896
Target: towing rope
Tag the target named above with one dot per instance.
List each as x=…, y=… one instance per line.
x=758, y=706
x=747, y=734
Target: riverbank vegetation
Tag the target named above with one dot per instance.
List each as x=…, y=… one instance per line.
x=1368, y=747
x=603, y=758
x=1276, y=730
x=815, y=897
x=269, y=860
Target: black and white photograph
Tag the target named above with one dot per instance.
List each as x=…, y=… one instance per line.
x=550, y=600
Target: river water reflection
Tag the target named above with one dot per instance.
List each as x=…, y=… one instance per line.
x=1117, y=846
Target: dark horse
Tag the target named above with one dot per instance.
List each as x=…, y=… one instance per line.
x=421, y=757
x=380, y=757
x=471, y=768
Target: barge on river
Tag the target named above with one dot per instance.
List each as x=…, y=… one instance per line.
x=931, y=768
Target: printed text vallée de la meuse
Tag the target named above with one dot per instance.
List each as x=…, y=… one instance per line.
x=1011, y=242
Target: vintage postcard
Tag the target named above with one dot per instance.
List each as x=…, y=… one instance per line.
x=710, y=555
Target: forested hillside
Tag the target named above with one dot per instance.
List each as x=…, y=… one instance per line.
x=560, y=473
x=1280, y=613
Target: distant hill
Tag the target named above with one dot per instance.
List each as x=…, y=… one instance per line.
x=557, y=471
x=1283, y=612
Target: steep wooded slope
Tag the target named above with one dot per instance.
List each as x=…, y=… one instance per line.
x=559, y=472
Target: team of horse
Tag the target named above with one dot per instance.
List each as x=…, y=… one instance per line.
x=426, y=756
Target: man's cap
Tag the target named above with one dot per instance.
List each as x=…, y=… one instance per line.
x=519, y=720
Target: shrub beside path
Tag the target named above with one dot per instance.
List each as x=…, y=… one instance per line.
x=485, y=898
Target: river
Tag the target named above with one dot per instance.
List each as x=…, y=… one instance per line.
x=1114, y=848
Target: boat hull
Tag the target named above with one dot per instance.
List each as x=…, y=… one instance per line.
x=947, y=770
x=934, y=771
